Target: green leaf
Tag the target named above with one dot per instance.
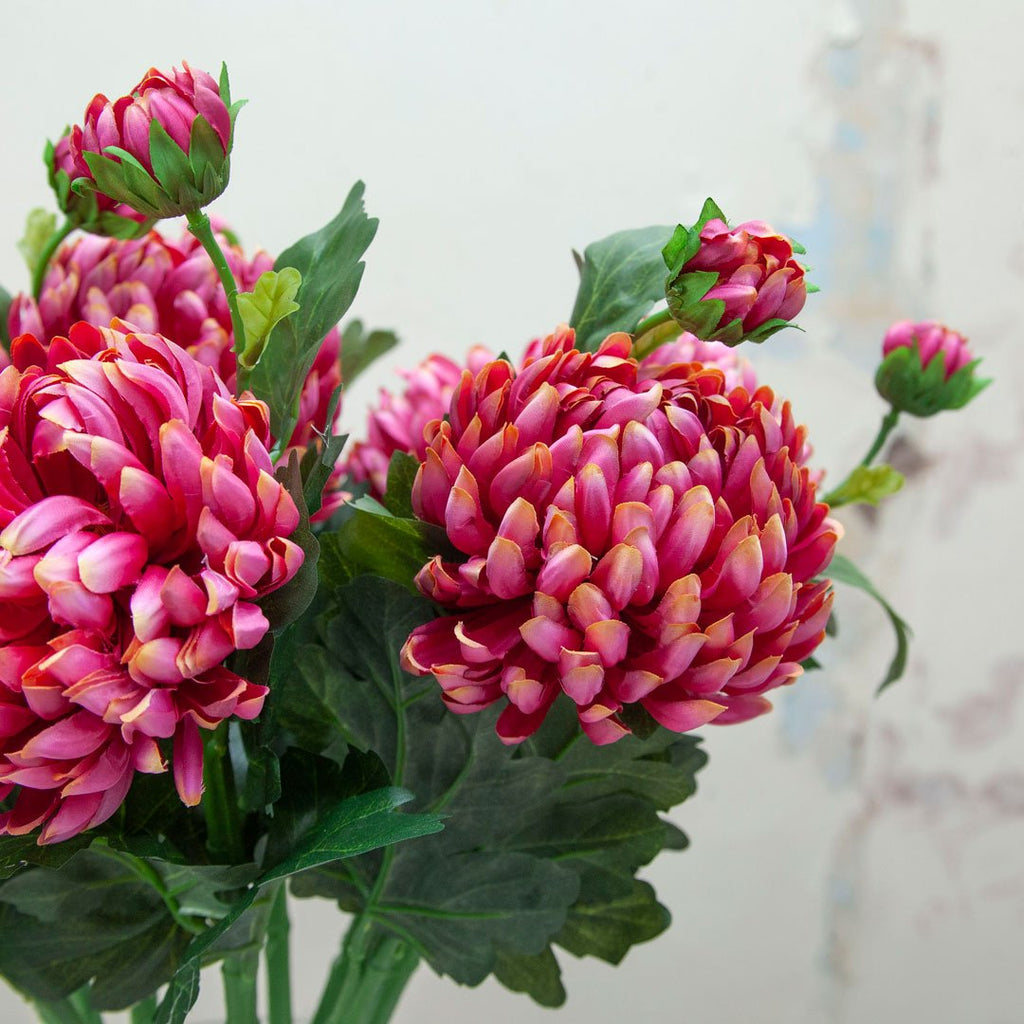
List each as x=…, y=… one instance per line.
x=93, y=918
x=39, y=229
x=180, y=997
x=369, y=539
x=623, y=277
x=359, y=348
x=402, y=472
x=538, y=976
x=330, y=262
x=270, y=301
x=539, y=838
x=843, y=570
x=866, y=485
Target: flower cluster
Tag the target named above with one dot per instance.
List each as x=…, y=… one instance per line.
x=632, y=535
x=167, y=287
x=141, y=523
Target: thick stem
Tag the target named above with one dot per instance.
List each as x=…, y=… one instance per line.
x=276, y=952
x=60, y=1011
x=224, y=839
x=46, y=255
x=368, y=978
x=199, y=225
x=238, y=972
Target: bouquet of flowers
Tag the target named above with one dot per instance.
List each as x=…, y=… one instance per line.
x=445, y=676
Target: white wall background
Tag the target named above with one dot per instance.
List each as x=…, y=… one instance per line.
x=852, y=860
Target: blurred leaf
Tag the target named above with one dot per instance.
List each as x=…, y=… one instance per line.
x=359, y=348
x=623, y=276
x=402, y=472
x=538, y=976
x=39, y=228
x=843, y=570
x=866, y=485
x=330, y=262
x=5, y=308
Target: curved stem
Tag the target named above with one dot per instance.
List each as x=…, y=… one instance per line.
x=47, y=254
x=888, y=424
x=199, y=225
x=663, y=316
x=889, y=421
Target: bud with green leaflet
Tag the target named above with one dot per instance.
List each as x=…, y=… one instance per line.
x=163, y=150
x=926, y=368
x=732, y=284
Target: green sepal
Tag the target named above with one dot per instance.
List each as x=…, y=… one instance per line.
x=923, y=390
x=843, y=570
x=680, y=249
x=270, y=301
x=111, y=178
x=621, y=279
x=360, y=348
x=866, y=485
x=709, y=211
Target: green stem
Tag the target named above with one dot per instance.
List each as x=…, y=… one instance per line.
x=276, y=952
x=888, y=424
x=368, y=978
x=238, y=972
x=44, y=257
x=59, y=1011
x=83, y=1004
x=199, y=225
x=144, y=1012
x=224, y=839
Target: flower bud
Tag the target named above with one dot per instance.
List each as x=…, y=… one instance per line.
x=163, y=150
x=926, y=368
x=732, y=284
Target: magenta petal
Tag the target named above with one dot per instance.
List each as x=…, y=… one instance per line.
x=47, y=520
x=187, y=759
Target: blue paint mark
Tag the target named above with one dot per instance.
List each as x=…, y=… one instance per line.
x=849, y=137
x=804, y=709
x=844, y=66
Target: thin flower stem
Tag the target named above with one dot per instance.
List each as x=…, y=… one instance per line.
x=47, y=254
x=886, y=427
x=663, y=316
x=144, y=1012
x=224, y=839
x=199, y=225
x=889, y=421
x=239, y=971
x=276, y=952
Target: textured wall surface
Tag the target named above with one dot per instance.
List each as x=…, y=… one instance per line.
x=853, y=860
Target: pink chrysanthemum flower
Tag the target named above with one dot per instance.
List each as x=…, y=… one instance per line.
x=932, y=339
x=630, y=537
x=140, y=522
x=169, y=288
x=688, y=348
x=396, y=423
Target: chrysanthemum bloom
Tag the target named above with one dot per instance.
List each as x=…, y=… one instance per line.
x=628, y=539
x=164, y=287
x=926, y=368
x=177, y=132
x=396, y=423
x=140, y=522
x=688, y=348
